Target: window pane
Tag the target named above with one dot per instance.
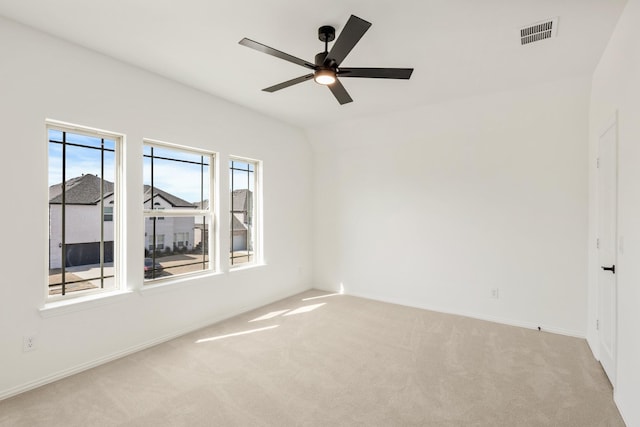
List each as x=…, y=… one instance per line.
x=182, y=251
x=82, y=173
x=90, y=141
x=179, y=179
x=176, y=243
x=55, y=135
x=242, y=186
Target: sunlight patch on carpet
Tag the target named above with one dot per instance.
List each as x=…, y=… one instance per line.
x=235, y=334
x=321, y=296
x=304, y=309
x=269, y=315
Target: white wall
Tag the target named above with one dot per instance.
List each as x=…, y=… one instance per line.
x=616, y=87
x=436, y=206
x=42, y=77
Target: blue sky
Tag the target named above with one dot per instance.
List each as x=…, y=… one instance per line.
x=178, y=178
x=79, y=160
x=240, y=176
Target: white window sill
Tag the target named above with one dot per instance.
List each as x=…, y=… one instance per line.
x=165, y=285
x=72, y=305
x=247, y=267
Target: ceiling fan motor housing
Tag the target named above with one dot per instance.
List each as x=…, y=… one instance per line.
x=320, y=57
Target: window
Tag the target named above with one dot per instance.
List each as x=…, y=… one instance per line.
x=108, y=214
x=83, y=224
x=177, y=190
x=160, y=242
x=244, y=192
x=181, y=240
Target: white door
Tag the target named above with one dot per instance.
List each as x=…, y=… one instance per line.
x=607, y=232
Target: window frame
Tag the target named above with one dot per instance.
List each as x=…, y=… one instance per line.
x=161, y=213
x=256, y=219
x=117, y=215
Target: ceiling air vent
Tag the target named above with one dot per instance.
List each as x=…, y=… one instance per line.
x=539, y=31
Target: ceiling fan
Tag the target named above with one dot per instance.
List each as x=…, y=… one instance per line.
x=326, y=67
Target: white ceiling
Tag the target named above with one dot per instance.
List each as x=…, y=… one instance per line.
x=458, y=48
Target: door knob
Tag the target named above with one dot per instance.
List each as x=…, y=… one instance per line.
x=611, y=269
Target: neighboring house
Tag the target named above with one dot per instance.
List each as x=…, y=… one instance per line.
x=242, y=211
x=201, y=226
x=82, y=242
x=171, y=232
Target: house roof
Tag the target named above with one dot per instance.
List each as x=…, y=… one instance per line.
x=236, y=224
x=174, y=201
x=202, y=205
x=85, y=190
x=241, y=202
x=82, y=190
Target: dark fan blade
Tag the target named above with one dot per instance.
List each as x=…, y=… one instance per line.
x=274, y=52
x=340, y=92
x=353, y=31
x=289, y=83
x=376, y=73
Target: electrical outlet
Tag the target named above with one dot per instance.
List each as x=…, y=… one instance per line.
x=495, y=293
x=29, y=343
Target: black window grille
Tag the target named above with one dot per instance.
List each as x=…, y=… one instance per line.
x=242, y=226
x=181, y=180
x=82, y=178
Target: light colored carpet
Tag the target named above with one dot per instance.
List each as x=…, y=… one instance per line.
x=334, y=360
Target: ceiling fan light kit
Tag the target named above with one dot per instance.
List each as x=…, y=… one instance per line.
x=324, y=77
x=326, y=67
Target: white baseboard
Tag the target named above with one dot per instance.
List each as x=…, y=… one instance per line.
x=593, y=346
x=510, y=322
x=621, y=408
